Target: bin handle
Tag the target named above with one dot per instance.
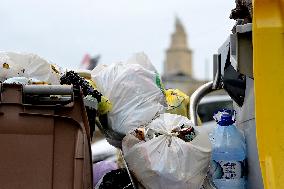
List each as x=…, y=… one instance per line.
x=47, y=94
x=48, y=89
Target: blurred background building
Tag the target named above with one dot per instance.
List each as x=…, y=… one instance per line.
x=178, y=71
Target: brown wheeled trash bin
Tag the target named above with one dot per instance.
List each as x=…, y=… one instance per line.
x=44, y=138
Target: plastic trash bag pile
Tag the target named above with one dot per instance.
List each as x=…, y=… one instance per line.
x=163, y=150
x=128, y=102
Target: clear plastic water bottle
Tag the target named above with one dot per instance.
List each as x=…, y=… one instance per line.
x=228, y=165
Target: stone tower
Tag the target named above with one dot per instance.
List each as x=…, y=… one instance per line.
x=178, y=63
x=178, y=56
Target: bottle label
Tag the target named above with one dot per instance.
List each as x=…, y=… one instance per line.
x=228, y=169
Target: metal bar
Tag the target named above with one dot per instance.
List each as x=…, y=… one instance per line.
x=195, y=99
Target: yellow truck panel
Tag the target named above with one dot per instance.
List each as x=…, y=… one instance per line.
x=268, y=61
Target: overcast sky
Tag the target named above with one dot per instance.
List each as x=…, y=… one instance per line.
x=64, y=30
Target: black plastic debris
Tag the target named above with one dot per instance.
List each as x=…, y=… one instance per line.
x=77, y=81
x=116, y=179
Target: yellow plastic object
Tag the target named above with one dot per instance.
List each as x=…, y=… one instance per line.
x=178, y=103
x=104, y=106
x=268, y=60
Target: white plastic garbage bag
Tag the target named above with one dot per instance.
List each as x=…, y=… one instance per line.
x=26, y=65
x=21, y=80
x=135, y=91
x=166, y=161
x=142, y=60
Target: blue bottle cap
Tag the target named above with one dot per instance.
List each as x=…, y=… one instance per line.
x=225, y=117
